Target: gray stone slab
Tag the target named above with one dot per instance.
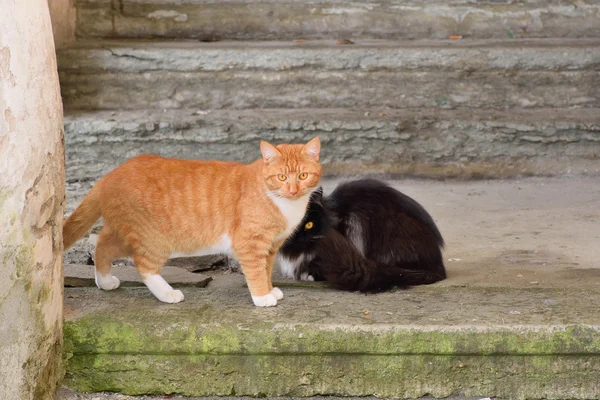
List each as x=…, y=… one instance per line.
x=495, y=342
x=316, y=88
x=479, y=74
x=138, y=56
x=83, y=276
x=313, y=19
x=430, y=142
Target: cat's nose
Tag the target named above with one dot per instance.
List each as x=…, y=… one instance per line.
x=293, y=191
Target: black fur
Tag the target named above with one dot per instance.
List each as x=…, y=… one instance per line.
x=401, y=245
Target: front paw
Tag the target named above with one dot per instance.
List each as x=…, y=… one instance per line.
x=268, y=300
x=171, y=296
x=277, y=293
x=306, y=277
x=108, y=282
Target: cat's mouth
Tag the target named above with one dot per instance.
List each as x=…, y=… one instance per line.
x=289, y=196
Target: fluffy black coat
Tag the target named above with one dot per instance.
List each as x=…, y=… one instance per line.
x=365, y=236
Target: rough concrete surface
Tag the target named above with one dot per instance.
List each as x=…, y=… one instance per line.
x=483, y=74
x=529, y=233
x=31, y=204
x=430, y=142
x=390, y=19
x=139, y=56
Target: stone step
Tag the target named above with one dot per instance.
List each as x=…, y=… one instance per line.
x=315, y=19
x=430, y=143
x=323, y=74
x=502, y=342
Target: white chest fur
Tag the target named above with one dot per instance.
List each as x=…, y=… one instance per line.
x=292, y=210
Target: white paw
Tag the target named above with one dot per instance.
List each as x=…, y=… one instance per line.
x=277, y=293
x=306, y=277
x=161, y=289
x=172, y=296
x=268, y=300
x=108, y=282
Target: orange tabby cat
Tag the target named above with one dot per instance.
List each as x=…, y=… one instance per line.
x=155, y=208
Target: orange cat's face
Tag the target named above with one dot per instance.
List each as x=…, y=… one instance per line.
x=291, y=170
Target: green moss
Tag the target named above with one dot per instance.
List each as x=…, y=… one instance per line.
x=103, y=334
x=24, y=261
x=128, y=343
x=408, y=376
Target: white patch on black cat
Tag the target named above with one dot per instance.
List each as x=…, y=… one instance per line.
x=288, y=266
x=355, y=233
x=306, y=277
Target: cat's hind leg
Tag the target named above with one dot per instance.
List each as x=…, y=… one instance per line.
x=149, y=265
x=108, y=248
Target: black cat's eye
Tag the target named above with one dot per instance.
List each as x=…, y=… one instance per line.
x=308, y=225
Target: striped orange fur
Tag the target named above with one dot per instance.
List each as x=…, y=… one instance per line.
x=155, y=207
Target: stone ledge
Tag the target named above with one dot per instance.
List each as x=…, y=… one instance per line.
x=83, y=276
x=496, y=342
x=481, y=75
x=429, y=143
x=312, y=19
x=140, y=56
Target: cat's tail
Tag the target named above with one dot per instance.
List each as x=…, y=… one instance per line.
x=404, y=275
x=370, y=277
x=346, y=269
x=82, y=219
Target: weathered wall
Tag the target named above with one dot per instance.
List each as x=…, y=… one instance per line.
x=31, y=203
x=62, y=14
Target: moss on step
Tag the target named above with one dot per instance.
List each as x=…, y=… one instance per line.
x=321, y=342
x=407, y=376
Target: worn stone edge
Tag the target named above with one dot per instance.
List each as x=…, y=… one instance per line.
x=102, y=333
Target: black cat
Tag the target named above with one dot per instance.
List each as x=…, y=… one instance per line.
x=365, y=236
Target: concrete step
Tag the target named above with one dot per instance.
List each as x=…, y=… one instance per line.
x=431, y=143
x=516, y=318
x=314, y=19
x=439, y=341
x=323, y=74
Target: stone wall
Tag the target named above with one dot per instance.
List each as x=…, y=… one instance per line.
x=63, y=16
x=31, y=204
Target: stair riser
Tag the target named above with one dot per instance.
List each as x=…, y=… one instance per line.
x=288, y=20
x=421, y=144
x=405, y=56
x=396, y=376
x=323, y=89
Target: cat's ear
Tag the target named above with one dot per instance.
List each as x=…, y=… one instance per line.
x=312, y=149
x=269, y=152
x=317, y=195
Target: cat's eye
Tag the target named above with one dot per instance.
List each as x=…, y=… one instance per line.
x=282, y=177
x=303, y=176
x=308, y=225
